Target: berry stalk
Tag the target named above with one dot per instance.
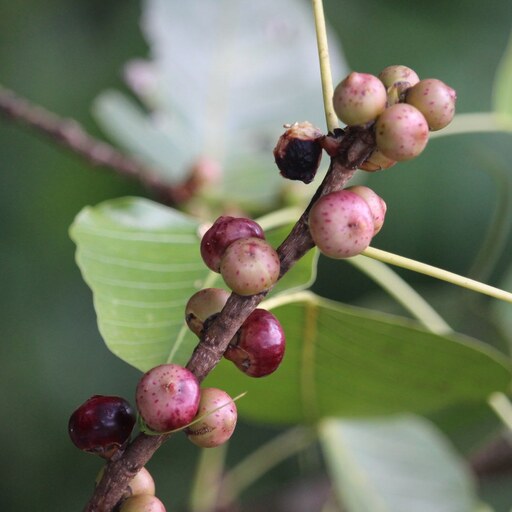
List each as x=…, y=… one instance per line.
x=353, y=146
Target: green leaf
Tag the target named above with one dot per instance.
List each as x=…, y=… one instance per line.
x=400, y=464
x=502, y=94
x=348, y=362
x=142, y=262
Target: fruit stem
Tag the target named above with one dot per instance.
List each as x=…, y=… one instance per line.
x=325, y=65
x=438, y=273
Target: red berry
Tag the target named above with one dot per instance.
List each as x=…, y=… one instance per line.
x=167, y=397
x=250, y=266
x=258, y=347
x=341, y=224
x=218, y=426
x=102, y=425
x=224, y=231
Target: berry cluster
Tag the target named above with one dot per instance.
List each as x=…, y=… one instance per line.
x=403, y=108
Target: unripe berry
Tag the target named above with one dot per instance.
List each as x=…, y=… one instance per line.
x=377, y=161
x=298, y=152
x=167, y=397
x=141, y=483
x=258, y=347
x=202, y=305
x=377, y=205
x=401, y=132
x=224, y=231
x=142, y=503
x=435, y=100
x=359, y=98
x=341, y=224
x=250, y=266
x=102, y=425
x=398, y=73
x=218, y=426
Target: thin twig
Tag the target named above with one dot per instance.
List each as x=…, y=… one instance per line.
x=71, y=135
x=355, y=144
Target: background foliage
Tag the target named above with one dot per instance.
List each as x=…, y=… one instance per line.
x=62, y=54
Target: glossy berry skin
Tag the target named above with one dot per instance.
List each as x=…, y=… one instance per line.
x=142, y=503
x=435, y=100
x=259, y=345
x=359, y=99
x=401, y=132
x=341, y=224
x=215, y=428
x=377, y=161
x=377, y=205
x=167, y=397
x=250, y=266
x=102, y=425
x=298, y=152
x=391, y=75
x=224, y=231
x=203, y=305
x=141, y=483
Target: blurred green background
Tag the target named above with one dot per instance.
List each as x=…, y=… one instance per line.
x=61, y=55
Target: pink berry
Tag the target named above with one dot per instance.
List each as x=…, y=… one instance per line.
x=359, y=98
x=435, y=100
x=397, y=73
x=203, y=305
x=102, y=425
x=167, y=397
x=215, y=428
x=298, y=152
x=377, y=205
x=401, y=132
x=258, y=347
x=224, y=231
x=377, y=161
x=250, y=266
x=142, y=503
x=341, y=224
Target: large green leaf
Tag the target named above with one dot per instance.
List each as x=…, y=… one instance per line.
x=400, y=464
x=343, y=361
x=142, y=263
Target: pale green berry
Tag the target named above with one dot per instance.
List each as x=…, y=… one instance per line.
x=141, y=483
x=435, y=100
x=202, y=305
x=377, y=205
x=377, y=161
x=341, y=224
x=142, y=503
x=401, y=132
x=359, y=99
x=398, y=73
x=219, y=421
x=250, y=266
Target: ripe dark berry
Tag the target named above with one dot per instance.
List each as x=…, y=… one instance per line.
x=258, y=347
x=401, y=132
x=215, y=428
x=298, y=152
x=203, y=305
x=142, y=503
x=341, y=224
x=102, y=425
x=250, y=266
x=435, y=100
x=359, y=98
x=224, y=231
x=167, y=397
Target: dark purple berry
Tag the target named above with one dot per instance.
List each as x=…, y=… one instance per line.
x=298, y=152
x=224, y=231
x=258, y=347
x=102, y=425
x=167, y=397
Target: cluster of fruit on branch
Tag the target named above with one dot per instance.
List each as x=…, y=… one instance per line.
x=398, y=110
